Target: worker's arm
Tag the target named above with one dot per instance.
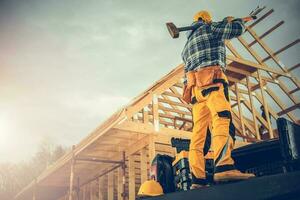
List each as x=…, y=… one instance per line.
x=228, y=28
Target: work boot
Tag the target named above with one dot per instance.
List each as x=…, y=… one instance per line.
x=197, y=186
x=232, y=175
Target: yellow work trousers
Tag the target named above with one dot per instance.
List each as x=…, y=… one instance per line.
x=211, y=108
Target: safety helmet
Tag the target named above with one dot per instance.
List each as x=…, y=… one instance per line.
x=204, y=15
x=150, y=188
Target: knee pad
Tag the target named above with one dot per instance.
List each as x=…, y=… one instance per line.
x=227, y=115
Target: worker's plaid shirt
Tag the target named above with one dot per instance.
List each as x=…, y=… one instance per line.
x=205, y=44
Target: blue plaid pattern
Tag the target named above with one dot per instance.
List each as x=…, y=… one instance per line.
x=205, y=44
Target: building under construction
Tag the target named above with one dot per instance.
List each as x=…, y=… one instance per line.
x=112, y=161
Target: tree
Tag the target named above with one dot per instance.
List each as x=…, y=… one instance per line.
x=13, y=177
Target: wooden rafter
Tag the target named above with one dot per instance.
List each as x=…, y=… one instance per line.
x=144, y=127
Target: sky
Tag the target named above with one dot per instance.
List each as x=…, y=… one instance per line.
x=66, y=65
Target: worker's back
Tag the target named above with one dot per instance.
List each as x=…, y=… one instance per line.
x=205, y=45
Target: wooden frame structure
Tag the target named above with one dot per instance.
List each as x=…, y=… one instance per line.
x=114, y=159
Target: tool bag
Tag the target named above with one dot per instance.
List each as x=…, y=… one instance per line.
x=289, y=138
x=204, y=77
x=271, y=156
x=181, y=171
x=162, y=172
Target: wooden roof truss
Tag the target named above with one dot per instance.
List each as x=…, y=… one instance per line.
x=142, y=129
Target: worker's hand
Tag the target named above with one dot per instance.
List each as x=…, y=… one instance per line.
x=249, y=18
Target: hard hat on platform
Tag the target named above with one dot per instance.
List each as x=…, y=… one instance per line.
x=150, y=188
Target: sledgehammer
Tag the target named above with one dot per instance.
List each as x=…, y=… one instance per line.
x=174, y=31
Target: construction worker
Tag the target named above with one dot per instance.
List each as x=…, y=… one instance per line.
x=206, y=88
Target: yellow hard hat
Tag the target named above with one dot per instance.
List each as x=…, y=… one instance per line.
x=150, y=188
x=204, y=15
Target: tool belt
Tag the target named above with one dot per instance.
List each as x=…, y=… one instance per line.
x=202, y=78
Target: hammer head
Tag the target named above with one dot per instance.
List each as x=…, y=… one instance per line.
x=173, y=30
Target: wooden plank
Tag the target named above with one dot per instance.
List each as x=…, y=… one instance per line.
x=258, y=59
x=237, y=70
x=258, y=116
x=137, y=146
x=120, y=184
x=234, y=105
x=294, y=67
x=267, y=32
x=78, y=188
x=100, y=186
x=232, y=49
x=287, y=110
x=72, y=174
x=89, y=190
x=143, y=158
x=276, y=60
x=256, y=65
x=145, y=116
x=258, y=97
x=84, y=192
x=265, y=106
x=151, y=148
x=252, y=109
x=247, y=125
x=257, y=86
x=294, y=90
x=158, y=88
x=180, y=96
x=171, y=94
x=174, y=103
x=155, y=112
x=280, y=104
x=167, y=148
x=234, y=80
x=238, y=97
x=175, y=111
x=93, y=191
x=173, y=117
x=149, y=129
x=131, y=181
x=281, y=50
x=177, y=104
x=161, y=105
x=110, y=186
